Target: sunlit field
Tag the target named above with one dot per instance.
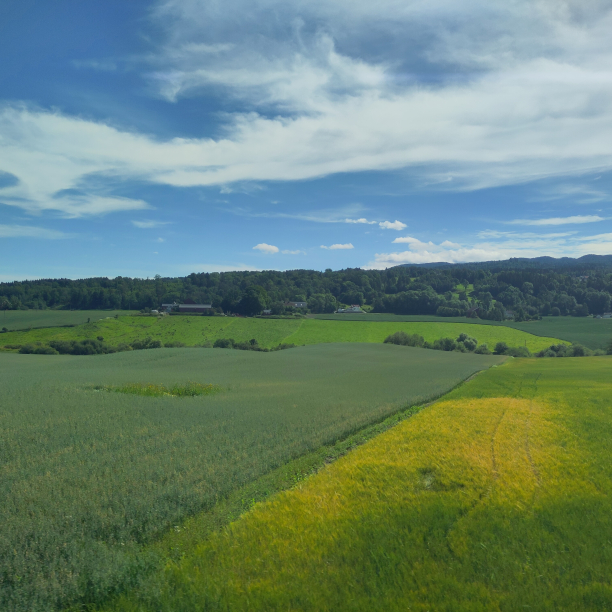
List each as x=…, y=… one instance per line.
x=497, y=498
x=24, y=319
x=91, y=476
x=199, y=331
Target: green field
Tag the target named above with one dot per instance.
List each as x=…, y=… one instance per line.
x=496, y=499
x=89, y=476
x=194, y=331
x=24, y=319
x=592, y=333
x=313, y=331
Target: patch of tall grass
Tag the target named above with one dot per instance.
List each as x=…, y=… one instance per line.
x=189, y=389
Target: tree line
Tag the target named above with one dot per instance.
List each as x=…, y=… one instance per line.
x=460, y=291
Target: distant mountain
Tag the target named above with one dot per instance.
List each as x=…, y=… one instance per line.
x=522, y=263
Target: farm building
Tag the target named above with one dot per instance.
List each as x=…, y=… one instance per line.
x=353, y=308
x=607, y=315
x=194, y=307
x=296, y=304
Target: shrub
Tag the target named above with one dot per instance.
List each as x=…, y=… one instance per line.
x=445, y=344
x=224, y=343
x=403, y=339
x=609, y=348
x=468, y=342
x=483, y=349
x=147, y=343
x=175, y=344
x=518, y=351
x=501, y=348
x=4, y=330
x=37, y=350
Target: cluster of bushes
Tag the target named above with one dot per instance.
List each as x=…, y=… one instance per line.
x=88, y=346
x=462, y=344
x=251, y=345
x=575, y=350
x=467, y=344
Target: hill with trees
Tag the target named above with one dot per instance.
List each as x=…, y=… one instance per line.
x=476, y=290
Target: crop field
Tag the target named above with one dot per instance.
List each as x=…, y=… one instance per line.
x=194, y=331
x=91, y=476
x=592, y=333
x=24, y=319
x=497, y=498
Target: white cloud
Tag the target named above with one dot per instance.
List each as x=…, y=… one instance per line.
x=530, y=96
x=161, y=240
x=509, y=245
x=335, y=247
x=266, y=248
x=558, y=220
x=395, y=225
x=298, y=252
x=148, y=224
x=362, y=220
x=28, y=231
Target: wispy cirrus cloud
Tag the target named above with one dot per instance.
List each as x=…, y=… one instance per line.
x=296, y=252
x=576, y=219
x=150, y=224
x=29, y=231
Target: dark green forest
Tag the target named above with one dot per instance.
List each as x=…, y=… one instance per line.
x=459, y=291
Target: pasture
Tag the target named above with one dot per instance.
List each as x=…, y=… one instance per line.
x=592, y=333
x=496, y=499
x=313, y=331
x=26, y=319
x=198, y=331
x=91, y=477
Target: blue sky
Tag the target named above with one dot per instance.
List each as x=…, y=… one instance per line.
x=142, y=138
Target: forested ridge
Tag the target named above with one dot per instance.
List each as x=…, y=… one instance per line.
x=458, y=291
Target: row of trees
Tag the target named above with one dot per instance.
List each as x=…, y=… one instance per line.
x=486, y=293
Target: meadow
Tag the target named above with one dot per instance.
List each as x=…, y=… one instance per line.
x=497, y=498
x=198, y=331
x=592, y=333
x=91, y=478
x=313, y=331
x=26, y=319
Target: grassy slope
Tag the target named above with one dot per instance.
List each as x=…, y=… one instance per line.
x=189, y=330
x=268, y=332
x=313, y=331
x=88, y=477
x=24, y=319
x=497, y=498
x=594, y=333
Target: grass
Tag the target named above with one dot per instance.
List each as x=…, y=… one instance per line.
x=592, y=333
x=496, y=499
x=313, y=331
x=189, y=389
x=25, y=319
x=90, y=479
x=189, y=330
x=194, y=331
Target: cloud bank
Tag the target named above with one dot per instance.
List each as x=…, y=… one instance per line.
x=469, y=95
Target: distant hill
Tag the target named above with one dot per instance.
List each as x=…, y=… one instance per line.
x=522, y=263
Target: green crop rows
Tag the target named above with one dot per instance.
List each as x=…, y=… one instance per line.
x=90, y=477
